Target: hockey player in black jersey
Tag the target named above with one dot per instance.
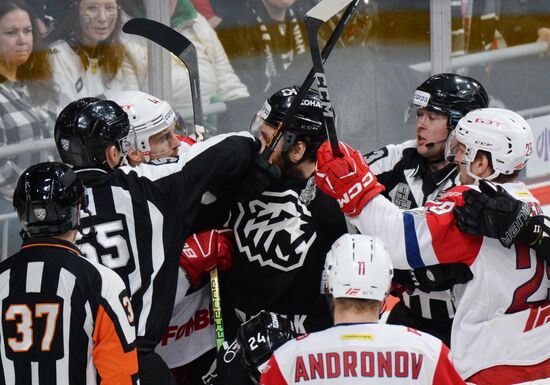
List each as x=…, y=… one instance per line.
x=140, y=216
x=65, y=320
x=416, y=171
x=283, y=234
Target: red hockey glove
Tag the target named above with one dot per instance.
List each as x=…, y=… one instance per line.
x=348, y=179
x=205, y=251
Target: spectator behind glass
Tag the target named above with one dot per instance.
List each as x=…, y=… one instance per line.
x=87, y=55
x=49, y=13
x=25, y=90
x=262, y=40
x=217, y=77
x=204, y=7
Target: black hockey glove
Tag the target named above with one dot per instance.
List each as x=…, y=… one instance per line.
x=258, y=178
x=493, y=213
x=433, y=278
x=537, y=235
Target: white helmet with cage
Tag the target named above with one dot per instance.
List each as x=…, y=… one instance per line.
x=148, y=116
x=502, y=133
x=358, y=266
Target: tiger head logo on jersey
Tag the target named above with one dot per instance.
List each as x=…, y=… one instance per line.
x=276, y=233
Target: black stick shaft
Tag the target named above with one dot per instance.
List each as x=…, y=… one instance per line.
x=327, y=49
x=183, y=49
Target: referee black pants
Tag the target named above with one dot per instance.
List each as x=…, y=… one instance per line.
x=402, y=315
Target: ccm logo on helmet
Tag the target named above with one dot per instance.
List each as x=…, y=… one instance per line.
x=356, y=189
x=168, y=115
x=483, y=144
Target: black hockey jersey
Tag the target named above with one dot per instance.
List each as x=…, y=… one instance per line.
x=141, y=217
x=282, y=238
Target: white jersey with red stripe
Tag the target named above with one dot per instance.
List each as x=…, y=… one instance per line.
x=503, y=312
x=363, y=353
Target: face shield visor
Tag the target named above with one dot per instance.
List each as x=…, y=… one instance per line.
x=261, y=118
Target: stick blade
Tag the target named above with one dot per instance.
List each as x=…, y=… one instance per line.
x=326, y=9
x=160, y=33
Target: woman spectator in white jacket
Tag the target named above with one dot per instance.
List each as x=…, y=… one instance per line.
x=87, y=56
x=25, y=92
x=217, y=78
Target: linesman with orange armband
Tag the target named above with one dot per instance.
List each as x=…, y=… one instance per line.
x=65, y=319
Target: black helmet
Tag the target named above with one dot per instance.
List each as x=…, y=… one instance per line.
x=86, y=127
x=450, y=94
x=46, y=199
x=259, y=337
x=307, y=120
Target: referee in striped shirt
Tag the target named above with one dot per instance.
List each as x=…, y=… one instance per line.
x=141, y=216
x=65, y=320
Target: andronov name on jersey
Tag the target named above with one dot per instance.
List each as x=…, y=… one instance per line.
x=387, y=364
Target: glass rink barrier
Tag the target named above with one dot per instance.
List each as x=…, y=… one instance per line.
x=248, y=50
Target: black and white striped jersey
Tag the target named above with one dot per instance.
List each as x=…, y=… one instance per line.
x=410, y=184
x=142, y=215
x=65, y=320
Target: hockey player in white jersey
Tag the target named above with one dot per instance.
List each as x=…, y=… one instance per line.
x=155, y=125
x=358, y=350
x=190, y=333
x=501, y=332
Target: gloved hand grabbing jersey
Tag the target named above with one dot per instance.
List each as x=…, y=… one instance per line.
x=494, y=213
x=348, y=179
x=205, y=251
x=258, y=178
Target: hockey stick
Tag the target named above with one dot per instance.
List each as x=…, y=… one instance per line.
x=183, y=49
x=313, y=20
x=326, y=9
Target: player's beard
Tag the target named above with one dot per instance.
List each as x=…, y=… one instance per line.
x=290, y=169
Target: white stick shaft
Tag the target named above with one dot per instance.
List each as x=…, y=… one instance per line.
x=327, y=8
